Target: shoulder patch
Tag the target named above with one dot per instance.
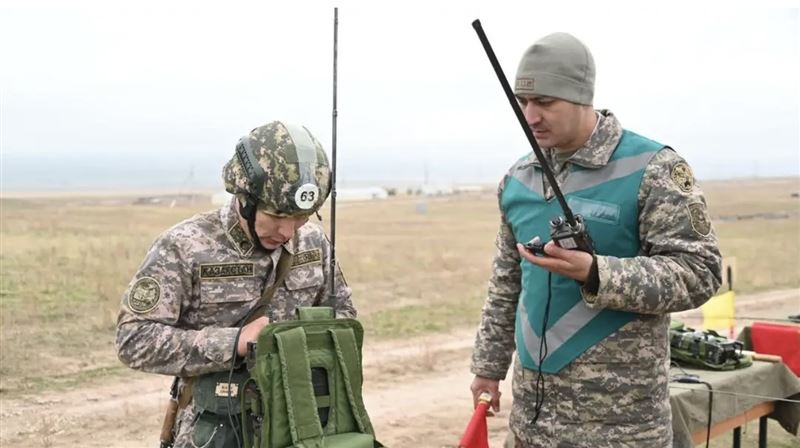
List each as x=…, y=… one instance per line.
x=307, y=257
x=683, y=177
x=226, y=270
x=699, y=218
x=145, y=295
x=240, y=240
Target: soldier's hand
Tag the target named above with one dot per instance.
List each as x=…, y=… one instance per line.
x=574, y=264
x=250, y=334
x=481, y=384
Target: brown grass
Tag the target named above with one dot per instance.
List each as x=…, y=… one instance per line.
x=66, y=261
x=767, y=251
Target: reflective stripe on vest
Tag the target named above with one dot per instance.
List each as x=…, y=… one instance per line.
x=607, y=198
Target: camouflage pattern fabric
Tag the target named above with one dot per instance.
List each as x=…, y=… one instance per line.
x=285, y=169
x=615, y=394
x=199, y=279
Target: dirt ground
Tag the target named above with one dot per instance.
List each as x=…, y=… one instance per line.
x=416, y=391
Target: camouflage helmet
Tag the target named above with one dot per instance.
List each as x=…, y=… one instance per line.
x=282, y=167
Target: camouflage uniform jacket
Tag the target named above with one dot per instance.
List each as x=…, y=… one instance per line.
x=616, y=393
x=179, y=315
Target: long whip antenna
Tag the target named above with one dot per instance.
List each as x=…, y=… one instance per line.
x=334, y=114
x=521, y=118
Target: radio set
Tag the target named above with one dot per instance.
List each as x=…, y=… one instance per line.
x=568, y=231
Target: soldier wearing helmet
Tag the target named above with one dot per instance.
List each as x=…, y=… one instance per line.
x=184, y=311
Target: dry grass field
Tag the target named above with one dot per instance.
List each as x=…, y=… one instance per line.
x=66, y=261
x=767, y=250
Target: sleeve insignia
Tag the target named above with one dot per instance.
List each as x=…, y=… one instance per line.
x=306, y=257
x=682, y=175
x=699, y=218
x=145, y=295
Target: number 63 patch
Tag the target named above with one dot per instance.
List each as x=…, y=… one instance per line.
x=306, y=196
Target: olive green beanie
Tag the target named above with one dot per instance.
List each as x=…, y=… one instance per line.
x=557, y=65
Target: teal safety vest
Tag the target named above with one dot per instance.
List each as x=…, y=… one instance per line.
x=607, y=198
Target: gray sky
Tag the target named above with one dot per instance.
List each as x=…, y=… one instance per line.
x=137, y=94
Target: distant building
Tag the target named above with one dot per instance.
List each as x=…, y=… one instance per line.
x=469, y=188
x=361, y=194
x=170, y=200
x=436, y=190
x=220, y=198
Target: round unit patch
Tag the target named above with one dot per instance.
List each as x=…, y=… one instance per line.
x=699, y=218
x=145, y=295
x=306, y=196
x=682, y=175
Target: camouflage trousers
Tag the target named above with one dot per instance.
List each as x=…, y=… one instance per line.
x=577, y=414
x=185, y=424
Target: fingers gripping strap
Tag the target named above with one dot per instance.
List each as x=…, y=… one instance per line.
x=301, y=406
x=347, y=353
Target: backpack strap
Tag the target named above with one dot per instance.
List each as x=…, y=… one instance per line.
x=344, y=340
x=301, y=406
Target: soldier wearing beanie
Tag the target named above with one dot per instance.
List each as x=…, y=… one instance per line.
x=182, y=310
x=604, y=357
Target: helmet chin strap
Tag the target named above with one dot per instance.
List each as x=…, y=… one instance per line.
x=248, y=212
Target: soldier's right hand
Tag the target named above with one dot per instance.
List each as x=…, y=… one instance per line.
x=250, y=334
x=481, y=384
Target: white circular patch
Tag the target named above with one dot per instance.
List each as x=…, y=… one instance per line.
x=306, y=196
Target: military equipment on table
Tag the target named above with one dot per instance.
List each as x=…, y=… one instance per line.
x=706, y=349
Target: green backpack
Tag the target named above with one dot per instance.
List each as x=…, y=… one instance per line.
x=304, y=386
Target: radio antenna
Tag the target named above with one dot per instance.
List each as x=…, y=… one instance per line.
x=521, y=118
x=334, y=115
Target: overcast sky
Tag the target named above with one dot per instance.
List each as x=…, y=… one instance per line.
x=140, y=94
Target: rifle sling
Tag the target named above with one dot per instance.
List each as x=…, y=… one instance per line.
x=284, y=264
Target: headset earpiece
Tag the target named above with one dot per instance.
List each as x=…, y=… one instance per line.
x=248, y=209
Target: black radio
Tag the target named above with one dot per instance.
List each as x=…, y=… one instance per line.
x=565, y=235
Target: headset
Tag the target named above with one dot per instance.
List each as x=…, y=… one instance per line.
x=257, y=177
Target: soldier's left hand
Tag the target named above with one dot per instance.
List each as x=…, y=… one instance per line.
x=574, y=264
x=250, y=334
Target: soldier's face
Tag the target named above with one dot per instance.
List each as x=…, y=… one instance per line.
x=273, y=230
x=555, y=123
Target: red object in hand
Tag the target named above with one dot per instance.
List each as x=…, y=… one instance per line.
x=776, y=339
x=477, y=434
